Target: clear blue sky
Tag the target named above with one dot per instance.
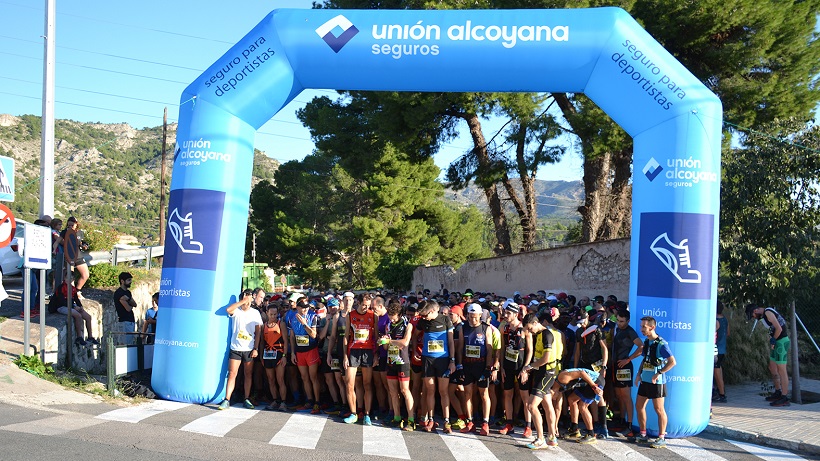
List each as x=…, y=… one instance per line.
x=125, y=61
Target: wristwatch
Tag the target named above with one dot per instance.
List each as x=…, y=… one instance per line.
x=452, y=359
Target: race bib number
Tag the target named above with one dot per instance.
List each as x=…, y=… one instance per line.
x=269, y=354
x=302, y=340
x=360, y=336
x=334, y=364
x=511, y=354
x=624, y=374
x=243, y=335
x=473, y=352
x=435, y=345
x=648, y=367
x=596, y=367
x=393, y=353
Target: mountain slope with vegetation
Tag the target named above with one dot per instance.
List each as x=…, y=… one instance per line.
x=105, y=174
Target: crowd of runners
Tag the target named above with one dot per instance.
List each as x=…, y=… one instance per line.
x=543, y=365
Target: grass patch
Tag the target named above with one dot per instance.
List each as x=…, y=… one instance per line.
x=2, y=319
x=77, y=380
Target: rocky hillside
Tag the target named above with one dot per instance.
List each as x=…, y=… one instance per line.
x=108, y=174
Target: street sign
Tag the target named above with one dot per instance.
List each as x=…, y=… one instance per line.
x=7, y=225
x=71, y=246
x=37, y=252
x=6, y=179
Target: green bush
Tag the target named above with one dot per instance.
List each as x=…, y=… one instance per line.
x=104, y=275
x=33, y=365
x=99, y=238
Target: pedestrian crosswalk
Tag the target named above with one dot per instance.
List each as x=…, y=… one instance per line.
x=320, y=432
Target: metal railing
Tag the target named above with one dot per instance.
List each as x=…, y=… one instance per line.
x=117, y=365
x=118, y=255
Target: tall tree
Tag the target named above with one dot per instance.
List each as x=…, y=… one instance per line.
x=770, y=215
x=336, y=221
x=760, y=58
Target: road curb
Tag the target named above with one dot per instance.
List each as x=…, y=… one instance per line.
x=761, y=439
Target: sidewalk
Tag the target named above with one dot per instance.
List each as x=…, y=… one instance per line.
x=748, y=417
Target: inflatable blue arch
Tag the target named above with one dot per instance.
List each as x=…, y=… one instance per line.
x=674, y=119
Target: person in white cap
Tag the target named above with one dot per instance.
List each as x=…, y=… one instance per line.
x=479, y=360
x=516, y=343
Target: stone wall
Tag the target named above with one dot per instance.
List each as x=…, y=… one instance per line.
x=600, y=268
x=103, y=320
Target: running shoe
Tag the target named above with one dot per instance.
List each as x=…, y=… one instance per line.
x=485, y=429
x=248, y=404
x=316, y=410
x=448, y=428
x=552, y=441
x=538, y=444
x=602, y=433
x=587, y=439
x=658, y=443
x=642, y=439
x=272, y=406
x=351, y=419
x=458, y=424
x=408, y=426
x=775, y=396
x=345, y=414
x=431, y=426
x=283, y=406
x=576, y=434
x=469, y=427
x=366, y=421
x=502, y=421
x=508, y=429
x=306, y=407
x=79, y=342
x=719, y=399
x=224, y=405
x=782, y=402
x=527, y=433
x=333, y=410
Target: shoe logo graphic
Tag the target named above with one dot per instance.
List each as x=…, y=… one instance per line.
x=676, y=258
x=337, y=41
x=182, y=229
x=652, y=169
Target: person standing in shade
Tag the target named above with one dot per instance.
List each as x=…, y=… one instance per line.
x=627, y=346
x=246, y=333
x=149, y=325
x=720, y=343
x=124, y=304
x=780, y=345
x=651, y=382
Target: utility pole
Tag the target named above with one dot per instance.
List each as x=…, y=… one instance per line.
x=47, y=136
x=162, y=180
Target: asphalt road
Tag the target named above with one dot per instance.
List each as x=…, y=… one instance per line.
x=92, y=432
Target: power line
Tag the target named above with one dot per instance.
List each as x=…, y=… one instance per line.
x=105, y=54
x=92, y=92
x=122, y=24
x=96, y=68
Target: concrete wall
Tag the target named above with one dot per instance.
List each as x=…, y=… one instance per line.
x=600, y=268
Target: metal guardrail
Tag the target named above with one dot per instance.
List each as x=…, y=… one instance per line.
x=118, y=255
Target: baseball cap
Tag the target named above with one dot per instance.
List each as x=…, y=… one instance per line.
x=458, y=310
x=474, y=309
x=332, y=302
x=562, y=296
x=295, y=297
x=348, y=294
x=512, y=308
x=552, y=298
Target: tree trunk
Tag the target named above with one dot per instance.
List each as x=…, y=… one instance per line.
x=593, y=211
x=618, y=220
x=526, y=209
x=502, y=231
